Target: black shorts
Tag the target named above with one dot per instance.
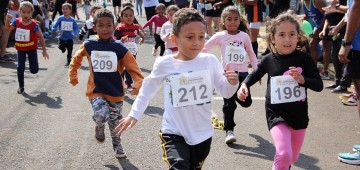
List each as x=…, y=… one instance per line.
x=116, y=3
x=353, y=66
x=213, y=13
x=150, y=12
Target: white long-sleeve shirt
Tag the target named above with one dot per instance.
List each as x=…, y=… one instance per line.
x=193, y=122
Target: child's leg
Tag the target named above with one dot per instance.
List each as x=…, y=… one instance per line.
x=228, y=109
x=33, y=61
x=62, y=45
x=157, y=40
x=198, y=154
x=162, y=47
x=69, y=47
x=297, y=140
x=21, y=55
x=115, y=116
x=281, y=135
x=101, y=111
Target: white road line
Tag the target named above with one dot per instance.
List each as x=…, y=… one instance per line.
x=253, y=98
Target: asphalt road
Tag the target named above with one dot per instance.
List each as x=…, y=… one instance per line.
x=50, y=126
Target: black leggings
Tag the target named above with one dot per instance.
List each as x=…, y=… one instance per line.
x=230, y=105
x=159, y=42
x=67, y=45
x=56, y=9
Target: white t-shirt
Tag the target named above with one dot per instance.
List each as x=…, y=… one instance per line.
x=150, y=3
x=193, y=122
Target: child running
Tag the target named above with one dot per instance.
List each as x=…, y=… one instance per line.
x=107, y=59
x=166, y=29
x=126, y=32
x=159, y=20
x=189, y=78
x=87, y=30
x=26, y=36
x=235, y=47
x=87, y=9
x=68, y=30
x=290, y=72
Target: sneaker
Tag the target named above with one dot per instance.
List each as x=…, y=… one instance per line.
x=350, y=158
x=129, y=90
x=352, y=101
x=332, y=86
x=346, y=96
x=20, y=90
x=47, y=35
x=154, y=52
x=230, y=137
x=356, y=148
x=325, y=75
x=119, y=151
x=6, y=59
x=99, y=133
x=340, y=89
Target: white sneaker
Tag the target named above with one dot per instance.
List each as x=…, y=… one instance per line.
x=230, y=137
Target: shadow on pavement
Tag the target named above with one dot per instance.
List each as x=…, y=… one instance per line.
x=43, y=98
x=125, y=165
x=266, y=150
x=149, y=110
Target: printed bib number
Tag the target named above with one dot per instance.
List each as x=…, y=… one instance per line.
x=66, y=26
x=208, y=6
x=168, y=31
x=22, y=35
x=285, y=89
x=132, y=47
x=89, y=24
x=235, y=55
x=158, y=30
x=104, y=61
x=191, y=88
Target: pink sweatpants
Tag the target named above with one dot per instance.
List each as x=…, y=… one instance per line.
x=287, y=143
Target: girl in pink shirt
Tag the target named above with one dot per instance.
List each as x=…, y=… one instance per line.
x=236, y=50
x=159, y=20
x=166, y=31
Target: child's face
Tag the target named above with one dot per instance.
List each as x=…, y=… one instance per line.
x=285, y=38
x=232, y=22
x=160, y=11
x=104, y=28
x=191, y=40
x=170, y=15
x=66, y=10
x=93, y=12
x=128, y=17
x=26, y=13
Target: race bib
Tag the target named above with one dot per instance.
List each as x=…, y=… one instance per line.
x=158, y=30
x=66, y=26
x=209, y=6
x=22, y=35
x=167, y=0
x=91, y=36
x=191, y=88
x=235, y=54
x=104, y=61
x=285, y=89
x=89, y=24
x=168, y=30
x=132, y=47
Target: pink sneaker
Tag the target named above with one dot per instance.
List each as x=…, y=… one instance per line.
x=154, y=52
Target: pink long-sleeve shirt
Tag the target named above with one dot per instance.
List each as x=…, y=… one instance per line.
x=241, y=39
x=159, y=21
x=165, y=30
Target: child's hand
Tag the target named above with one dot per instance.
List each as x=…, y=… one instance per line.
x=293, y=72
x=231, y=76
x=141, y=41
x=124, y=38
x=124, y=123
x=74, y=82
x=45, y=55
x=243, y=92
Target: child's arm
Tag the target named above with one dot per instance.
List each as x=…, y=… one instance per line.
x=133, y=69
x=83, y=32
x=55, y=25
x=76, y=30
x=7, y=23
x=142, y=37
x=75, y=64
x=42, y=42
x=149, y=22
x=212, y=42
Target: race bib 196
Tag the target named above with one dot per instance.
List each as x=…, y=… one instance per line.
x=191, y=88
x=22, y=35
x=235, y=54
x=66, y=26
x=285, y=89
x=104, y=61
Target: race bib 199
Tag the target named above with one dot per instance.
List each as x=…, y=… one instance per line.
x=285, y=89
x=235, y=54
x=66, y=26
x=104, y=61
x=22, y=35
x=191, y=88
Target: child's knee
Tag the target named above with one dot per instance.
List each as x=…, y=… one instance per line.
x=284, y=158
x=101, y=110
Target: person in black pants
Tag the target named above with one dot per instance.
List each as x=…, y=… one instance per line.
x=57, y=8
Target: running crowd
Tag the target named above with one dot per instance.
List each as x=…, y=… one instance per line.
x=185, y=32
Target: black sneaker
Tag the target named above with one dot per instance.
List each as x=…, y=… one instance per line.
x=332, y=86
x=99, y=133
x=340, y=89
x=119, y=151
x=20, y=90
